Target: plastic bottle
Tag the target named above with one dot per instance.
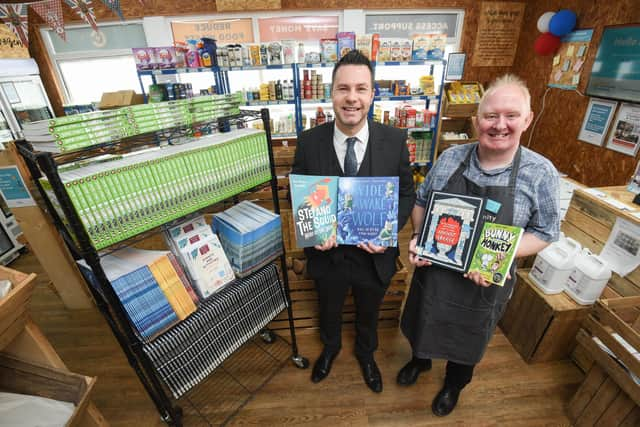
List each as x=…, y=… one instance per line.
x=192, y=57
x=278, y=90
x=300, y=53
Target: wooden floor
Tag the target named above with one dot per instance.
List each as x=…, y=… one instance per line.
x=258, y=385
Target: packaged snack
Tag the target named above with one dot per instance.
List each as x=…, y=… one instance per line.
x=346, y=42
x=384, y=52
x=329, y=50
x=289, y=51
x=363, y=44
x=275, y=53
x=144, y=57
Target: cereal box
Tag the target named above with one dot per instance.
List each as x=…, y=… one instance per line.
x=346, y=42
x=144, y=57
x=329, y=50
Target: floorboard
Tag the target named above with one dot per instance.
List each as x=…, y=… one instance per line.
x=258, y=385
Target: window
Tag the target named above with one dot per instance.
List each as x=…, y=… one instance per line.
x=90, y=63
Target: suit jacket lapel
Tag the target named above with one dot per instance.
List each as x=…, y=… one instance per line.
x=375, y=150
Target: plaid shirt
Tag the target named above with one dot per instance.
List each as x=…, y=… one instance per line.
x=536, y=206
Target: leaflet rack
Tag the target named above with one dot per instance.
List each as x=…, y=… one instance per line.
x=146, y=358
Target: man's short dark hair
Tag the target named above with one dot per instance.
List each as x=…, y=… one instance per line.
x=354, y=57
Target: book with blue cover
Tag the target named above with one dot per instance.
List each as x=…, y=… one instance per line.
x=356, y=210
x=314, y=204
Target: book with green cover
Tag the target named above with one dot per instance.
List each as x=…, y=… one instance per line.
x=495, y=251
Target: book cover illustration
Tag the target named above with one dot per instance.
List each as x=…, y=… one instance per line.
x=368, y=210
x=314, y=208
x=495, y=251
x=448, y=229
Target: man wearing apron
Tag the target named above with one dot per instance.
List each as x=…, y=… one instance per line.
x=452, y=316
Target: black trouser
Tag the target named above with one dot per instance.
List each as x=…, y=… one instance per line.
x=356, y=272
x=458, y=375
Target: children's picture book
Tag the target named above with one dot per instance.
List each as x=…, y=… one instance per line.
x=495, y=251
x=448, y=230
x=351, y=209
x=314, y=204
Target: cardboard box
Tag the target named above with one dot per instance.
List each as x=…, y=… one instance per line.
x=121, y=98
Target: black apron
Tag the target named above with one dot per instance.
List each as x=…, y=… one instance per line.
x=447, y=316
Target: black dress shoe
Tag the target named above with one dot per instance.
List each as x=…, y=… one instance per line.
x=445, y=401
x=371, y=375
x=322, y=366
x=409, y=372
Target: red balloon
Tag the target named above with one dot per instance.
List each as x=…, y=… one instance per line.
x=546, y=44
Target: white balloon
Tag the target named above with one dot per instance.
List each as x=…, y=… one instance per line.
x=543, y=21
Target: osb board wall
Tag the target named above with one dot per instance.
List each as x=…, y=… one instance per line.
x=555, y=135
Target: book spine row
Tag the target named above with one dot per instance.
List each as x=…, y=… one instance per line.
x=75, y=133
x=116, y=204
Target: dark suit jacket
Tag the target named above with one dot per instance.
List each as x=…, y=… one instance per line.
x=386, y=155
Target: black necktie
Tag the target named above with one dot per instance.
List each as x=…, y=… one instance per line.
x=350, y=160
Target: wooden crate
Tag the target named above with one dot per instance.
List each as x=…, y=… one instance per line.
x=459, y=110
x=304, y=300
x=13, y=307
x=541, y=327
x=589, y=220
x=18, y=376
x=608, y=395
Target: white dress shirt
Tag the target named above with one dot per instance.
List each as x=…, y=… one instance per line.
x=340, y=144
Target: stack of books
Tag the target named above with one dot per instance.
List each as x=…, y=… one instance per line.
x=80, y=131
x=121, y=196
x=200, y=252
x=151, y=286
x=251, y=236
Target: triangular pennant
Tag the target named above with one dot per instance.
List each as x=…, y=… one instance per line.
x=15, y=17
x=114, y=6
x=51, y=12
x=84, y=10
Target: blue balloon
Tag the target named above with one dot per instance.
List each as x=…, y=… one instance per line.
x=562, y=23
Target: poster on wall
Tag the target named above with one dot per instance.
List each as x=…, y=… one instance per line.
x=10, y=44
x=224, y=31
x=568, y=62
x=597, y=120
x=298, y=28
x=498, y=32
x=625, y=133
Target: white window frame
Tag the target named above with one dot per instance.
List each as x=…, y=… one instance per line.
x=46, y=34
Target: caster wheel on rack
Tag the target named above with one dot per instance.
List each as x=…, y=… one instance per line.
x=268, y=336
x=167, y=418
x=300, y=362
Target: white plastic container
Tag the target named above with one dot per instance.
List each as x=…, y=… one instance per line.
x=554, y=264
x=588, y=279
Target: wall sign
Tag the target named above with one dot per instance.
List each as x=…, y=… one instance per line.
x=455, y=66
x=392, y=25
x=596, y=121
x=498, y=32
x=299, y=28
x=625, y=134
x=224, y=31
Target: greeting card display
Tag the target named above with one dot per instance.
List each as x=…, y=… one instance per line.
x=449, y=228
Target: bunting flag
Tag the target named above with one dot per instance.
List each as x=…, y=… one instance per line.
x=51, y=12
x=15, y=17
x=84, y=10
x=114, y=6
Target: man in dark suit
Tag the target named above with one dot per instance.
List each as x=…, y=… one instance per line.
x=353, y=146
